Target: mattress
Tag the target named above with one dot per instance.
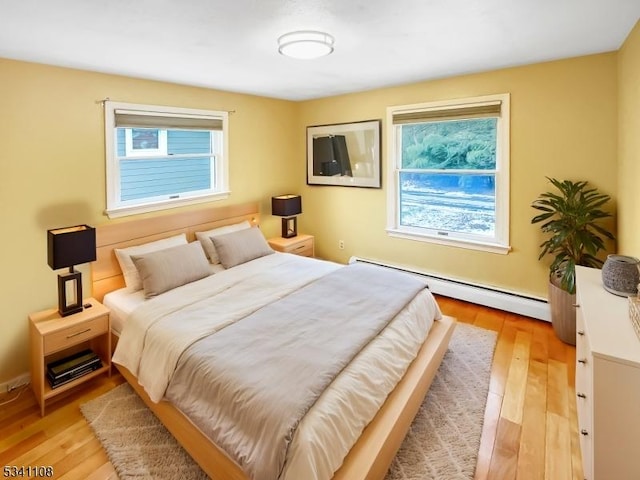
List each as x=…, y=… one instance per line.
x=122, y=303
x=326, y=433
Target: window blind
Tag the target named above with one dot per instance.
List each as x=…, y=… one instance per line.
x=453, y=112
x=139, y=119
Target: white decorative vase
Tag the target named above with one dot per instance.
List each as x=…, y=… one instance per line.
x=620, y=275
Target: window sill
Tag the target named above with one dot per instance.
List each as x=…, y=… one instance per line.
x=163, y=205
x=467, y=244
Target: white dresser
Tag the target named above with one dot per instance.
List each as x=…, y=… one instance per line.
x=607, y=382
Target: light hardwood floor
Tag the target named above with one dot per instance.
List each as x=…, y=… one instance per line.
x=530, y=429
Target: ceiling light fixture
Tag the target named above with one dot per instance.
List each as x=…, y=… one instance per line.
x=305, y=44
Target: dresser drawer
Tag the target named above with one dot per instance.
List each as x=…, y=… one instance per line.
x=584, y=401
x=584, y=371
x=584, y=359
x=75, y=334
x=584, y=394
x=586, y=449
x=581, y=334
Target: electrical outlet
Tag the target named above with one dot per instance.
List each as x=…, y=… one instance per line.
x=341, y=244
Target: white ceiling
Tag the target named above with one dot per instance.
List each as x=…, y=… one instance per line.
x=231, y=44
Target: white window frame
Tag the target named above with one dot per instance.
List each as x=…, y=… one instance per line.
x=500, y=244
x=220, y=169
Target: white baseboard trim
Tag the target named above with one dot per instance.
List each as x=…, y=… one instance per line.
x=508, y=301
x=16, y=382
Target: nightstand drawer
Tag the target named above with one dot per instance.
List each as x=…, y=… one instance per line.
x=304, y=248
x=299, y=245
x=75, y=334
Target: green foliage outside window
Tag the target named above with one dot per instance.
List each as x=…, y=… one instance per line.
x=450, y=145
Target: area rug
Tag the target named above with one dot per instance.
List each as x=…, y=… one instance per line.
x=442, y=442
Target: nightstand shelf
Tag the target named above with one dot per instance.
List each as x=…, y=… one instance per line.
x=301, y=244
x=54, y=337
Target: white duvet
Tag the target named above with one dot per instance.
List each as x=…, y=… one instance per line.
x=154, y=337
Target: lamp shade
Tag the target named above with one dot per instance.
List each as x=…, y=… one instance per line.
x=286, y=205
x=71, y=246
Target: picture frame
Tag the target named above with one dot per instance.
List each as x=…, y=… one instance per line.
x=345, y=154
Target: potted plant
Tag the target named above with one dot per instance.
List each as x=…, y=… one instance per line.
x=572, y=219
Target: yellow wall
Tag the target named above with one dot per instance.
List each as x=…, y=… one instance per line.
x=563, y=125
x=629, y=144
x=52, y=171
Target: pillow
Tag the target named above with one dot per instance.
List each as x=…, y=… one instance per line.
x=170, y=268
x=205, y=238
x=131, y=277
x=241, y=246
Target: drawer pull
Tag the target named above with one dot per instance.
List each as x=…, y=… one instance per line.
x=581, y=332
x=78, y=333
x=584, y=432
x=582, y=361
x=577, y=305
x=581, y=395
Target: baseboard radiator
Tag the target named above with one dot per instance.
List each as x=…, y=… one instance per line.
x=476, y=293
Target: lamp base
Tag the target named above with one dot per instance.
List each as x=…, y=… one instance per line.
x=289, y=227
x=69, y=293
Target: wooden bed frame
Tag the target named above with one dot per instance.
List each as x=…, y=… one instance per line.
x=374, y=451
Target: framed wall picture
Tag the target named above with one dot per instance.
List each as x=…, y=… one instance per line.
x=344, y=154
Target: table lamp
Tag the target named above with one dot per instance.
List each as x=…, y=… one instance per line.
x=287, y=206
x=67, y=247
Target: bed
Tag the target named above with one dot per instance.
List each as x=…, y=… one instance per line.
x=369, y=450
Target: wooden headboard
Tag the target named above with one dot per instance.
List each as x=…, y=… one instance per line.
x=106, y=275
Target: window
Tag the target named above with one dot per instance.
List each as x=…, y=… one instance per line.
x=162, y=157
x=145, y=142
x=448, y=178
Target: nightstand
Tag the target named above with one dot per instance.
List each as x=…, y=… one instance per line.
x=301, y=244
x=54, y=337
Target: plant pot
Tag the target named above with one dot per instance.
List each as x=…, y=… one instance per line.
x=563, y=313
